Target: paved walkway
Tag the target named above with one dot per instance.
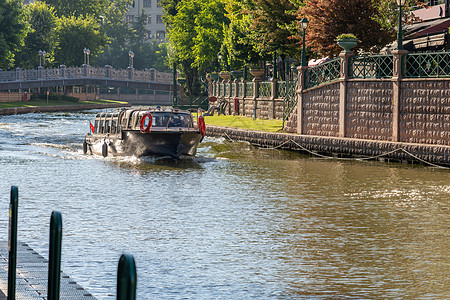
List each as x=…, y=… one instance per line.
x=32, y=272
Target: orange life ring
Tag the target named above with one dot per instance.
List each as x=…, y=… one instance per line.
x=201, y=125
x=146, y=129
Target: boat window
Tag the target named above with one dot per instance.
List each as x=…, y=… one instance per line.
x=107, y=126
x=96, y=126
x=167, y=119
x=100, y=127
x=113, y=126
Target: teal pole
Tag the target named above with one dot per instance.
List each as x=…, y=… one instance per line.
x=54, y=260
x=126, y=278
x=400, y=34
x=274, y=65
x=304, y=50
x=175, y=96
x=12, y=242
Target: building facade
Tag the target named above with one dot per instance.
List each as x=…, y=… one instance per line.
x=154, y=12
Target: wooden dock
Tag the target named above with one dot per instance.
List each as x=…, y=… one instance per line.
x=32, y=273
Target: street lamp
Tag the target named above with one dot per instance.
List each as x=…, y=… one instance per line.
x=40, y=58
x=304, y=25
x=131, y=55
x=400, y=3
x=219, y=56
x=86, y=55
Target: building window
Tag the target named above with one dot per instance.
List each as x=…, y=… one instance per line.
x=159, y=19
x=158, y=4
x=147, y=3
x=149, y=19
x=150, y=34
x=130, y=18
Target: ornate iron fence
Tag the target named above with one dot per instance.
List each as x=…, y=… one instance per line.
x=264, y=89
x=416, y=65
x=290, y=100
x=322, y=73
x=249, y=89
x=281, y=89
x=240, y=89
x=371, y=66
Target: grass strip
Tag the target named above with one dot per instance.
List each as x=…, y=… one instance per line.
x=246, y=123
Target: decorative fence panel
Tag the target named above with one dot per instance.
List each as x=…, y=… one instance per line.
x=323, y=73
x=249, y=89
x=371, y=66
x=264, y=89
x=416, y=65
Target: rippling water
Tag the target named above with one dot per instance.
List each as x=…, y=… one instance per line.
x=237, y=222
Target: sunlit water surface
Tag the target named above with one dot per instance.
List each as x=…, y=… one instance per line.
x=237, y=222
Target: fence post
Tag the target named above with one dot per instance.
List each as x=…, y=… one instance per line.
x=12, y=242
x=397, y=77
x=345, y=59
x=126, y=278
x=54, y=260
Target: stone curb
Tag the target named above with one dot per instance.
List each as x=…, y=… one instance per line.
x=339, y=147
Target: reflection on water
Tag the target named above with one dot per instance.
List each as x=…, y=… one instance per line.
x=236, y=222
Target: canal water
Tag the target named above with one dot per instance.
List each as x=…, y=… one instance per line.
x=237, y=222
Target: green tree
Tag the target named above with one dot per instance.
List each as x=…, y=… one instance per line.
x=270, y=29
x=74, y=34
x=196, y=35
x=13, y=30
x=139, y=32
x=329, y=18
x=42, y=21
x=78, y=8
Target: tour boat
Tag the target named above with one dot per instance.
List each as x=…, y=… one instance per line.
x=145, y=132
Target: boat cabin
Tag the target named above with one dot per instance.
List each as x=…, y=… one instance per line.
x=112, y=123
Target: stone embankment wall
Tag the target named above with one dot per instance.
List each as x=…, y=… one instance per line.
x=339, y=147
x=397, y=109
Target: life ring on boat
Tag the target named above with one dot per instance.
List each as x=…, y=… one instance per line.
x=146, y=129
x=105, y=150
x=201, y=125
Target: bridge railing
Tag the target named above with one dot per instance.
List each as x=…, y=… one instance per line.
x=86, y=71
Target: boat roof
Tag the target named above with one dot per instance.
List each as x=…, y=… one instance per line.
x=144, y=109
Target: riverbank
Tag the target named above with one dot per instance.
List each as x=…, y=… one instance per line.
x=55, y=106
x=339, y=148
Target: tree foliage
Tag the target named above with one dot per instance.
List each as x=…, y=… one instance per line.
x=329, y=18
x=78, y=8
x=74, y=34
x=13, y=30
x=196, y=34
x=42, y=21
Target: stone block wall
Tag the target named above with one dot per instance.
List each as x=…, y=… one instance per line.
x=321, y=111
x=369, y=110
x=425, y=112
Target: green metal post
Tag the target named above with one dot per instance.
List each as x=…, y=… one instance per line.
x=274, y=65
x=175, y=94
x=245, y=73
x=12, y=242
x=400, y=34
x=126, y=278
x=54, y=260
x=303, y=50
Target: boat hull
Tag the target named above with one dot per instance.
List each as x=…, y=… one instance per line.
x=173, y=143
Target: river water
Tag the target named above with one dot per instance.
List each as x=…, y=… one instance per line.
x=237, y=222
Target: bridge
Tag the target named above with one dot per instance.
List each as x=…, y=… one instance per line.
x=135, y=86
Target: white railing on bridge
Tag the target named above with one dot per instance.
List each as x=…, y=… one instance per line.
x=86, y=71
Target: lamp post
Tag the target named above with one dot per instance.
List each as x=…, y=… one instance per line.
x=40, y=58
x=131, y=55
x=304, y=25
x=400, y=3
x=86, y=52
x=219, y=56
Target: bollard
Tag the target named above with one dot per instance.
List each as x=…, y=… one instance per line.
x=12, y=242
x=54, y=260
x=126, y=278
